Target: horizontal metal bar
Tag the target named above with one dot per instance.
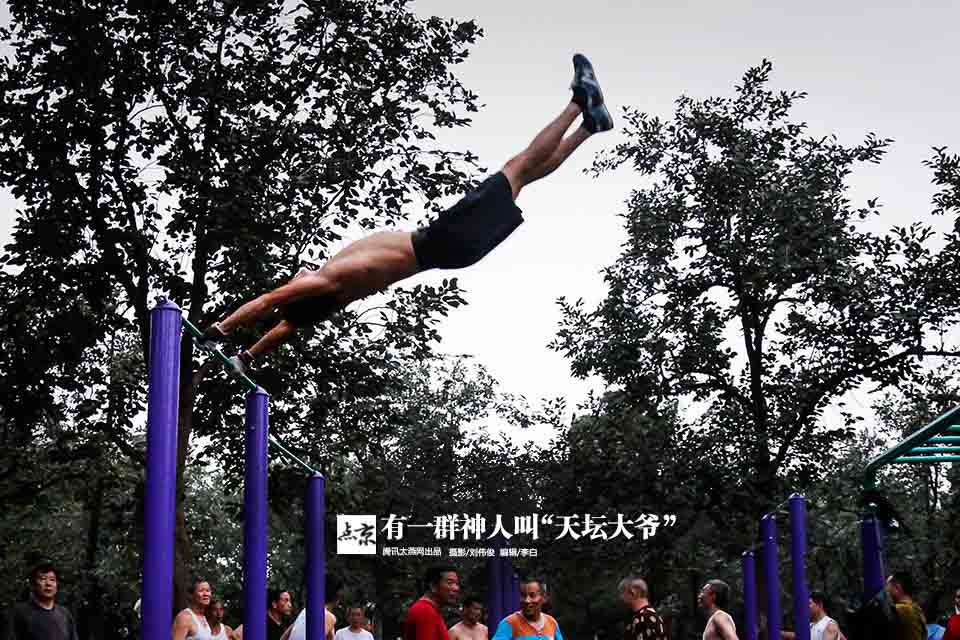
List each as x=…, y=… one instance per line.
x=954, y=429
x=943, y=439
x=218, y=354
x=289, y=454
x=935, y=450
x=925, y=459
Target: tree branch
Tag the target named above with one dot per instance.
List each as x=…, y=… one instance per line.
x=828, y=385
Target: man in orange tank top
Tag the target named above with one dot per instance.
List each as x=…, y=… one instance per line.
x=530, y=623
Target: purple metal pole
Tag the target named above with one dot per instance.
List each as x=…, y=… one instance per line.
x=255, y=518
x=872, y=542
x=513, y=603
x=750, y=594
x=160, y=499
x=506, y=584
x=798, y=566
x=771, y=574
x=494, y=588
x=316, y=557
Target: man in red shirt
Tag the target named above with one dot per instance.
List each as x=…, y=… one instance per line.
x=424, y=620
x=953, y=624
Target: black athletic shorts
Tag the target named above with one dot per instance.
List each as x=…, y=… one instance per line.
x=471, y=228
x=309, y=311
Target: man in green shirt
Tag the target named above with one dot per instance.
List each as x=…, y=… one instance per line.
x=911, y=624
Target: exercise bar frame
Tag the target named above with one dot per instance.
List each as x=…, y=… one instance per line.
x=166, y=331
x=798, y=562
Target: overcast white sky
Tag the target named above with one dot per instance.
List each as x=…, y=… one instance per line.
x=868, y=66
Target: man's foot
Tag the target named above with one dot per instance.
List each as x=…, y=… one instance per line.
x=597, y=119
x=242, y=362
x=211, y=336
x=586, y=88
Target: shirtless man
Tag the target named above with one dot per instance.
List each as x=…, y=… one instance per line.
x=712, y=600
x=191, y=623
x=458, y=238
x=470, y=627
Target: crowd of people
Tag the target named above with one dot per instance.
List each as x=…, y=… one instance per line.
x=203, y=617
x=41, y=618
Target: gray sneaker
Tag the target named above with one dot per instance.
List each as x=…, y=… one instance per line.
x=586, y=88
x=598, y=119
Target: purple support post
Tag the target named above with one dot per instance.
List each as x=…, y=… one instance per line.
x=506, y=584
x=160, y=499
x=798, y=565
x=872, y=542
x=750, y=594
x=513, y=602
x=771, y=574
x=495, y=611
x=316, y=557
x=255, y=518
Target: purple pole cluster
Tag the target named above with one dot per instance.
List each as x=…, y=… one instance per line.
x=166, y=325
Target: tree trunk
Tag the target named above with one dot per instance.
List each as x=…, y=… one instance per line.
x=90, y=620
x=183, y=550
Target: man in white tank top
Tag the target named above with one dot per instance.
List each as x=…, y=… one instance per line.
x=712, y=600
x=298, y=630
x=218, y=630
x=355, y=616
x=191, y=623
x=822, y=626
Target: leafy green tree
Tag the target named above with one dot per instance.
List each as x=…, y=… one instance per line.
x=422, y=450
x=615, y=460
x=200, y=151
x=747, y=283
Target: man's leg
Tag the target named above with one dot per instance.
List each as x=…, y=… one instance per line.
x=549, y=149
x=566, y=147
x=523, y=168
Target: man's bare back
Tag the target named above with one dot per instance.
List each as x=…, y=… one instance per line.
x=720, y=626
x=461, y=631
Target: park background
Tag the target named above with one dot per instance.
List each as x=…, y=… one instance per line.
x=525, y=405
